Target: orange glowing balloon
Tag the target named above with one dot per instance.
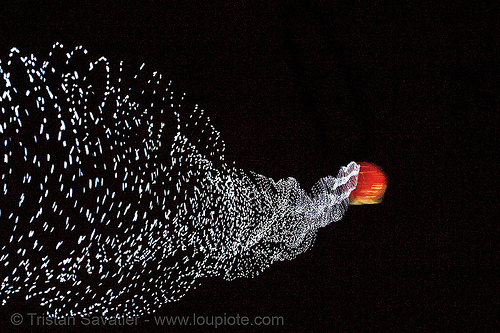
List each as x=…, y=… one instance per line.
x=371, y=187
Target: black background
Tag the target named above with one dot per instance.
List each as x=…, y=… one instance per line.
x=300, y=88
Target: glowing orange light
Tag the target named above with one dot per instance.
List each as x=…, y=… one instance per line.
x=371, y=187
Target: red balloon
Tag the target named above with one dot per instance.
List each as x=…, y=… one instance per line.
x=371, y=187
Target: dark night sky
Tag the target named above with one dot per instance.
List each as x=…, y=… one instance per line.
x=300, y=89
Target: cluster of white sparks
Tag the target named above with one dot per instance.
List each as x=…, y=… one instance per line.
x=115, y=196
